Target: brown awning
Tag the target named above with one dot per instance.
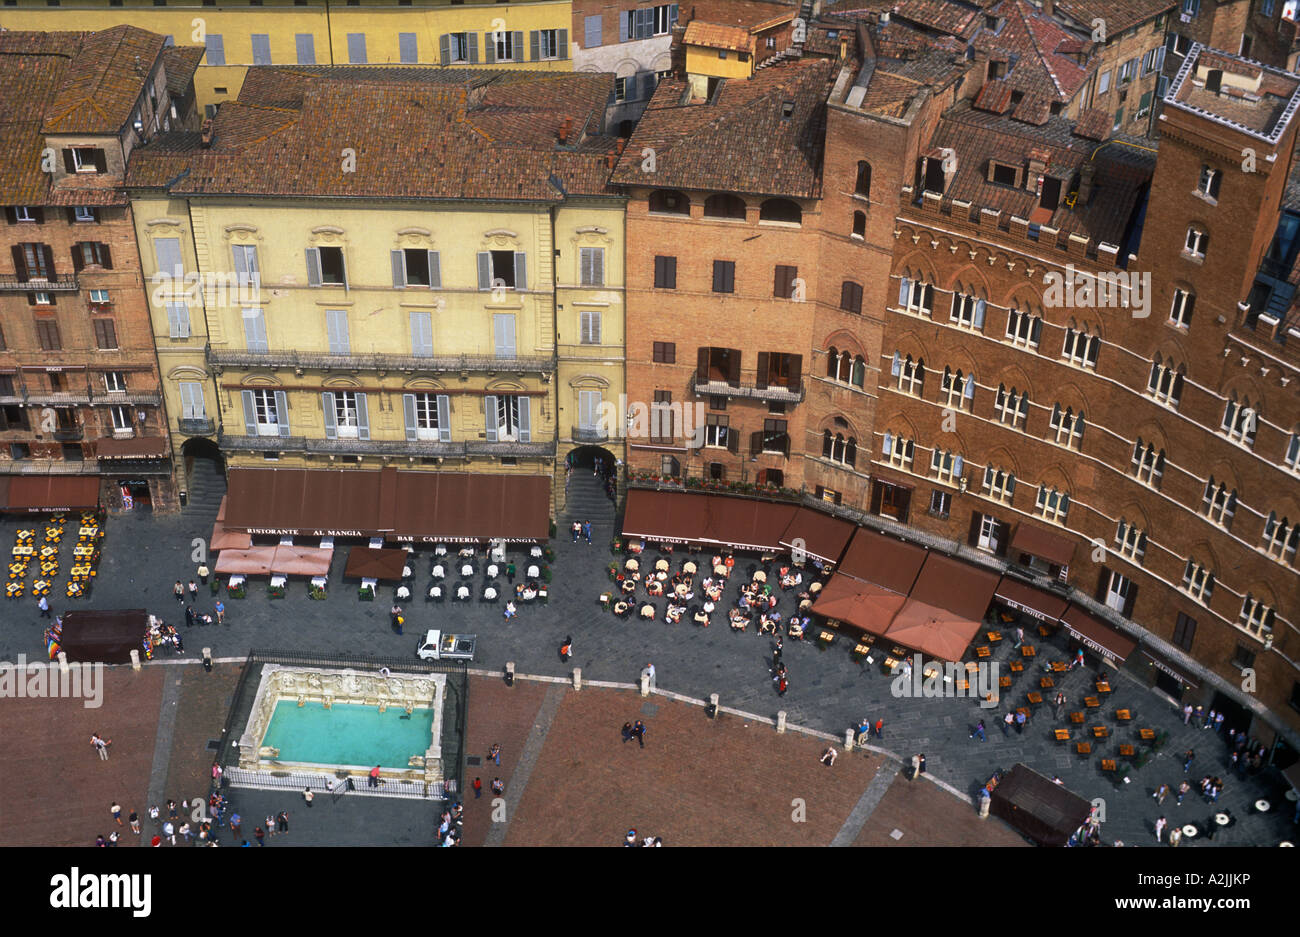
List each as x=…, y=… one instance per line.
x=52, y=494
x=1041, y=605
x=301, y=561
x=255, y=561
x=223, y=539
x=312, y=502
x=886, y=561
x=863, y=605
x=1163, y=663
x=104, y=637
x=682, y=517
x=956, y=586
x=371, y=563
x=822, y=535
x=136, y=447
x=459, y=507
x=1043, y=543
x=1098, y=635
x=934, y=631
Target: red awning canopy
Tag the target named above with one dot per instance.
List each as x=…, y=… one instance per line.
x=885, y=561
x=934, y=631
x=950, y=584
x=301, y=561
x=1098, y=635
x=252, y=562
x=459, y=506
x=1041, y=605
x=371, y=563
x=51, y=494
x=1043, y=543
x=863, y=605
x=685, y=517
x=822, y=535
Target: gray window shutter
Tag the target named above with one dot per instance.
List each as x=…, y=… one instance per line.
x=473, y=47
x=261, y=48
x=624, y=28
x=517, y=46
x=167, y=251
x=503, y=327
x=598, y=267
x=532, y=45
x=484, y=270
x=591, y=31
x=563, y=43
x=422, y=334
x=444, y=49
x=525, y=420
x=250, y=413
x=282, y=411
x=255, y=330
x=489, y=48
x=904, y=289
x=336, y=328
x=435, y=271
x=444, y=418
x=490, y=417
x=408, y=48
x=521, y=270
x=306, y=43
x=356, y=48
x=313, y=267
x=408, y=409
x=399, y=269
x=363, y=417
x=331, y=426
x=672, y=15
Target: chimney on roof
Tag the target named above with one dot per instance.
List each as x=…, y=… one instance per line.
x=1085, y=183
x=610, y=159
x=207, y=133
x=1049, y=7
x=565, y=127
x=618, y=147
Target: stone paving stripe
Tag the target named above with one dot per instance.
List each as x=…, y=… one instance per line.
x=528, y=759
x=167, y=709
x=861, y=812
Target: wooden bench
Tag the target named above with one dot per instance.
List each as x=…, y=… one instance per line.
x=1076, y=718
x=993, y=636
x=1123, y=715
x=1108, y=764
x=1035, y=698
x=1083, y=748
x=1126, y=751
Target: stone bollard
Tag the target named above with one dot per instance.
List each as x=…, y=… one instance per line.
x=848, y=740
x=780, y=721
x=985, y=803
x=63, y=661
x=207, y=659
x=577, y=678
x=510, y=673
x=135, y=659
x=645, y=684
x=712, y=709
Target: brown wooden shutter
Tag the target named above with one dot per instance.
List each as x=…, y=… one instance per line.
x=973, y=538
x=733, y=375
x=760, y=380
x=701, y=364
x=796, y=370
x=101, y=162
x=20, y=263
x=69, y=163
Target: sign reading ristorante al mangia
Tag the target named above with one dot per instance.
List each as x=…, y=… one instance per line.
x=299, y=532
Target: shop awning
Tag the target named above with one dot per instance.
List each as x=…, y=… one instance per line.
x=934, y=631
x=863, y=605
x=255, y=561
x=371, y=563
x=1042, y=543
x=1160, y=662
x=51, y=494
x=301, y=561
x=223, y=539
x=136, y=447
x=311, y=502
x=1097, y=635
x=1035, y=602
x=950, y=584
x=683, y=517
x=104, y=637
x=461, y=507
x=885, y=561
x=821, y=535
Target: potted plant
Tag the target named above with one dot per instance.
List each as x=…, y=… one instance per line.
x=366, y=593
x=549, y=554
x=215, y=585
x=616, y=545
x=546, y=574
x=237, y=592
x=315, y=592
x=612, y=569
x=824, y=640
x=275, y=592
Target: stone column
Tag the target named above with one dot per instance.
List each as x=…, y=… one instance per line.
x=577, y=678
x=135, y=659
x=63, y=661
x=780, y=721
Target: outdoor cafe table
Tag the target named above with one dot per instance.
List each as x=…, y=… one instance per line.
x=1147, y=735
x=24, y=551
x=1190, y=831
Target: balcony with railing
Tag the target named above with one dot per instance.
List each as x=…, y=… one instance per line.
x=384, y=447
x=589, y=434
x=201, y=426
x=66, y=283
x=59, y=399
x=69, y=434
x=319, y=361
x=778, y=393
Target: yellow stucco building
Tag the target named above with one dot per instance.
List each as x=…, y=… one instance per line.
x=389, y=271
x=533, y=34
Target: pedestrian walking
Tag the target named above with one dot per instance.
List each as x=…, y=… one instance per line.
x=922, y=767
x=1161, y=793
x=116, y=811
x=498, y=787
x=220, y=609
x=478, y=788
x=639, y=731
x=44, y=605
x=782, y=684
x=510, y=572
x=576, y=529
x=1160, y=828
x=916, y=768
x=880, y=728
x=373, y=781
x=1187, y=759
x=189, y=616
x=566, y=649
x=101, y=746
x=1175, y=836
x=1218, y=721
x=1183, y=788
x=1020, y=638
x=179, y=591
x=979, y=730
x=494, y=755
x=259, y=836
x=236, y=821
x=586, y=531
x=649, y=672
x=112, y=838
x=308, y=796
x=171, y=809
x=1008, y=721
x=1187, y=713
x=100, y=841
x=1060, y=704
x=1209, y=719
x=169, y=830
x=1198, y=713
x=134, y=820
x=282, y=822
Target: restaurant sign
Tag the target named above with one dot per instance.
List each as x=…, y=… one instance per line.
x=1161, y=665
x=297, y=531
x=1089, y=643
x=1011, y=603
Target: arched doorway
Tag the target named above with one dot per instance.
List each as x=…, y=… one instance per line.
x=591, y=483
x=204, y=483
x=586, y=456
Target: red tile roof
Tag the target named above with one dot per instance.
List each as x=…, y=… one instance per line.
x=941, y=15
x=1093, y=124
x=1036, y=43
x=417, y=133
x=715, y=36
x=1119, y=15
x=740, y=143
x=994, y=97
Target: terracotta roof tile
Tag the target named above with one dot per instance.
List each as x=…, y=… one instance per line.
x=1033, y=109
x=1118, y=14
x=1035, y=41
x=1093, y=124
x=417, y=133
x=952, y=18
x=181, y=62
x=740, y=143
x=994, y=97
x=715, y=36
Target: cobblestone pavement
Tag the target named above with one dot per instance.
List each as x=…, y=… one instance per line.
x=145, y=554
